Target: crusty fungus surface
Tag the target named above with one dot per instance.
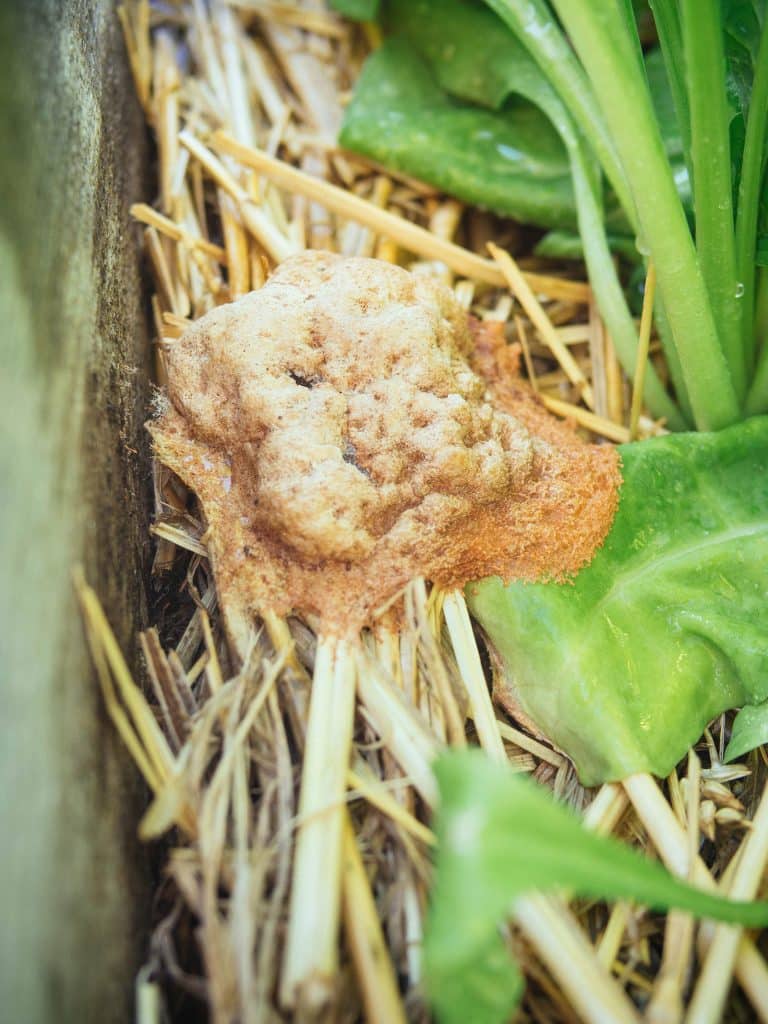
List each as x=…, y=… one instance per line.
x=340, y=444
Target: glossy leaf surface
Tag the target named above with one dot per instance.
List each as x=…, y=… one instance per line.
x=512, y=162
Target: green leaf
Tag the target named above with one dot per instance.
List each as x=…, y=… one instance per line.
x=401, y=117
x=668, y=625
x=358, y=10
x=499, y=837
x=750, y=730
x=473, y=56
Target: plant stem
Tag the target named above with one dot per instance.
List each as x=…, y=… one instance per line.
x=757, y=399
x=392, y=715
x=562, y=946
x=533, y=24
x=468, y=659
x=392, y=226
x=761, y=305
x=604, y=813
x=600, y=38
x=712, y=190
x=752, y=169
x=525, y=296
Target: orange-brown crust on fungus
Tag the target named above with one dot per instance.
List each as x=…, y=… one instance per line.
x=340, y=444
x=573, y=492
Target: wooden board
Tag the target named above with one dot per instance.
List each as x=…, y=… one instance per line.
x=73, y=488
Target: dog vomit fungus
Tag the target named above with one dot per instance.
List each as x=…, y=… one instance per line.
x=346, y=428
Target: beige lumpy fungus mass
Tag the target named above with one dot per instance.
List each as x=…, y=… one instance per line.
x=340, y=443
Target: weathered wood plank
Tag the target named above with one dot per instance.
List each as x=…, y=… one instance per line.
x=73, y=481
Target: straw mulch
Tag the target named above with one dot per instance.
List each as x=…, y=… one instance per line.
x=244, y=99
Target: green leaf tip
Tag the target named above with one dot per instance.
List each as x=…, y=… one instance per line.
x=668, y=625
x=500, y=836
x=750, y=730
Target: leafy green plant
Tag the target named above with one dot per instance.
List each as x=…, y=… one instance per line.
x=499, y=836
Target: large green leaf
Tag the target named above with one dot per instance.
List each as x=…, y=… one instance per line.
x=401, y=117
x=500, y=836
x=667, y=627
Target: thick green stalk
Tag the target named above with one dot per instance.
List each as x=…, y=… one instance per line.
x=533, y=24
x=600, y=38
x=712, y=189
x=667, y=20
x=752, y=170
